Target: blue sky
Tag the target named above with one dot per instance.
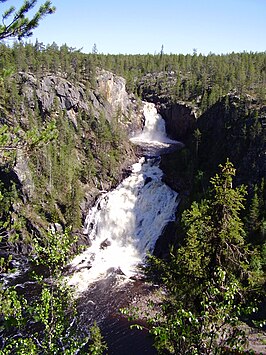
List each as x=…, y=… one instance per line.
x=143, y=26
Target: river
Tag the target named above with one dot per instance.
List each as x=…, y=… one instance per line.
x=123, y=227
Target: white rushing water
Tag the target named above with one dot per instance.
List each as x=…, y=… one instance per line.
x=125, y=223
x=154, y=130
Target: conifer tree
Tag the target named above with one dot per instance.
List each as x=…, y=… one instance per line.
x=15, y=24
x=205, y=277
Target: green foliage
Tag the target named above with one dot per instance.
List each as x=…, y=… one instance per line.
x=256, y=217
x=8, y=143
x=16, y=24
x=52, y=315
x=215, y=232
x=9, y=223
x=45, y=135
x=13, y=140
x=55, y=312
x=199, y=79
x=20, y=346
x=55, y=250
x=205, y=279
x=209, y=329
x=56, y=170
x=96, y=344
x=11, y=307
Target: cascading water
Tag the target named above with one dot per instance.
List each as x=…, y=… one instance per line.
x=125, y=223
x=153, y=138
x=123, y=226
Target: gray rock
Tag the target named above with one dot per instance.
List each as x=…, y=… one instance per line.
x=110, y=97
x=23, y=173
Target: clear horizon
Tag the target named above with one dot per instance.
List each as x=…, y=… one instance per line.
x=142, y=27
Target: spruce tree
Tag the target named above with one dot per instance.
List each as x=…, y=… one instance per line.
x=205, y=278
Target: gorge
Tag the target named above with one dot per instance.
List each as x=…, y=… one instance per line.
x=125, y=223
x=74, y=164
x=123, y=227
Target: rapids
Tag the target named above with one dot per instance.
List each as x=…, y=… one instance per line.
x=125, y=223
x=123, y=227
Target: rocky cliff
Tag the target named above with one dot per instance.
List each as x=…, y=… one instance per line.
x=55, y=91
x=233, y=127
x=59, y=180
x=180, y=120
x=73, y=143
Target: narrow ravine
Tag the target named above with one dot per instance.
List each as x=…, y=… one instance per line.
x=123, y=227
x=125, y=223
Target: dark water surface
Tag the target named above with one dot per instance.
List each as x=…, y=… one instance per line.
x=102, y=302
x=122, y=340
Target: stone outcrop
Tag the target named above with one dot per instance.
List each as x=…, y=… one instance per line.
x=118, y=103
x=54, y=97
x=70, y=96
x=180, y=120
x=54, y=92
x=233, y=128
x=24, y=174
x=113, y=89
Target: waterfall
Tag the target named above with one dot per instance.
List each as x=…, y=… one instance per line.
x=125, y=223
x=154, y=129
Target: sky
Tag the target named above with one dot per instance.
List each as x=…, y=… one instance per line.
x=144, y=26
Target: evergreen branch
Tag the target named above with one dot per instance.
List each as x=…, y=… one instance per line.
x=21, y=26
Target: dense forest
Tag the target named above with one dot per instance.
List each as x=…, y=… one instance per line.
x=214, y=272
x=194, y=78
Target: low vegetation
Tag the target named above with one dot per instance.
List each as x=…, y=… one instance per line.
x=214, y=275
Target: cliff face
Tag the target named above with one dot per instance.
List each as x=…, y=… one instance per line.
x=59, y=178
x=234, y=128
x=54, y=91
x=180, y=120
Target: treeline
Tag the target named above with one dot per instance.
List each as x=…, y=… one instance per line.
x=220, y=264
x=64, y=156
x=202, y=79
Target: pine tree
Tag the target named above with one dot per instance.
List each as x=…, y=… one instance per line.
x=15, y=24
